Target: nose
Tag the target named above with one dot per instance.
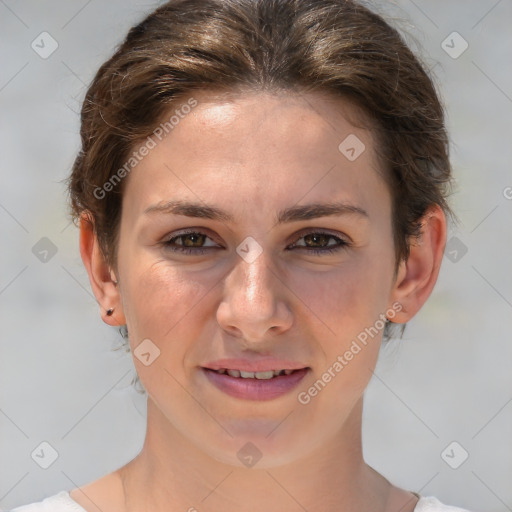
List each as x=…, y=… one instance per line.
x=254, y=305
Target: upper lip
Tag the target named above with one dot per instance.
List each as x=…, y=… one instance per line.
x=259, y=365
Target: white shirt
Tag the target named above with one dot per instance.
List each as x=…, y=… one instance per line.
x=62, y=502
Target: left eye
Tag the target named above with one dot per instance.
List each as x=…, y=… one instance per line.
x=191, y=243
x=322, y=238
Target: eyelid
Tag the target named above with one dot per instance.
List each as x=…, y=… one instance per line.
x=187, y=231
x=321, y=231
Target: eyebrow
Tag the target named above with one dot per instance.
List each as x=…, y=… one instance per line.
x=291, y=214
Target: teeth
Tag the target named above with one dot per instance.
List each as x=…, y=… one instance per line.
x=264, y=375
x=254, y=375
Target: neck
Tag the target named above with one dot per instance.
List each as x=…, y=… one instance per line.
x=172, y=471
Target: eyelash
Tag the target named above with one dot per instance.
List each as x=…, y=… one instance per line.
x=168, y=244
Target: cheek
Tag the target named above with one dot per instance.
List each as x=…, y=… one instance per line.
x=345, y=304
x=349, y=297
x=160, y=296
x=161, y=302
x=162, y=305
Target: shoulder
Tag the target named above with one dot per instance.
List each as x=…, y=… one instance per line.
x=431, y=504
x=60, y=502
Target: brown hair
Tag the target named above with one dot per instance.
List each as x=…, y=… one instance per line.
x=334, y=46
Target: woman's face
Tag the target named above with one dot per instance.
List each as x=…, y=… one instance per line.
x=259, y=281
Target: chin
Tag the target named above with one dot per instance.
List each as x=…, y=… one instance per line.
x=257, y=443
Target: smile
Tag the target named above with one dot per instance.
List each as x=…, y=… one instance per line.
x=270, y=374
x=266, y=385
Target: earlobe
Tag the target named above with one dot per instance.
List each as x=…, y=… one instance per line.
x=417, y=275
x=103, y=281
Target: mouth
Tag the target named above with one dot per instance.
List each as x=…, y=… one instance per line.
x=265, y=375
x=260, y=385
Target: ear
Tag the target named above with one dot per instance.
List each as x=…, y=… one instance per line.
x=417, y=275
x=103, y=280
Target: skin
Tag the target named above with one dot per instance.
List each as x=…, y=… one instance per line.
x=254, y=155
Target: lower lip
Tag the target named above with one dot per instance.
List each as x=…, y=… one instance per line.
x=255, y=389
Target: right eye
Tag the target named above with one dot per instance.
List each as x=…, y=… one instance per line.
x=189, y=239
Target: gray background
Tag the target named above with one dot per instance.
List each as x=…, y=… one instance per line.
x=61, y=381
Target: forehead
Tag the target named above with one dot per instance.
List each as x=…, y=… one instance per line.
x=278, y=120
x=262, y=147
